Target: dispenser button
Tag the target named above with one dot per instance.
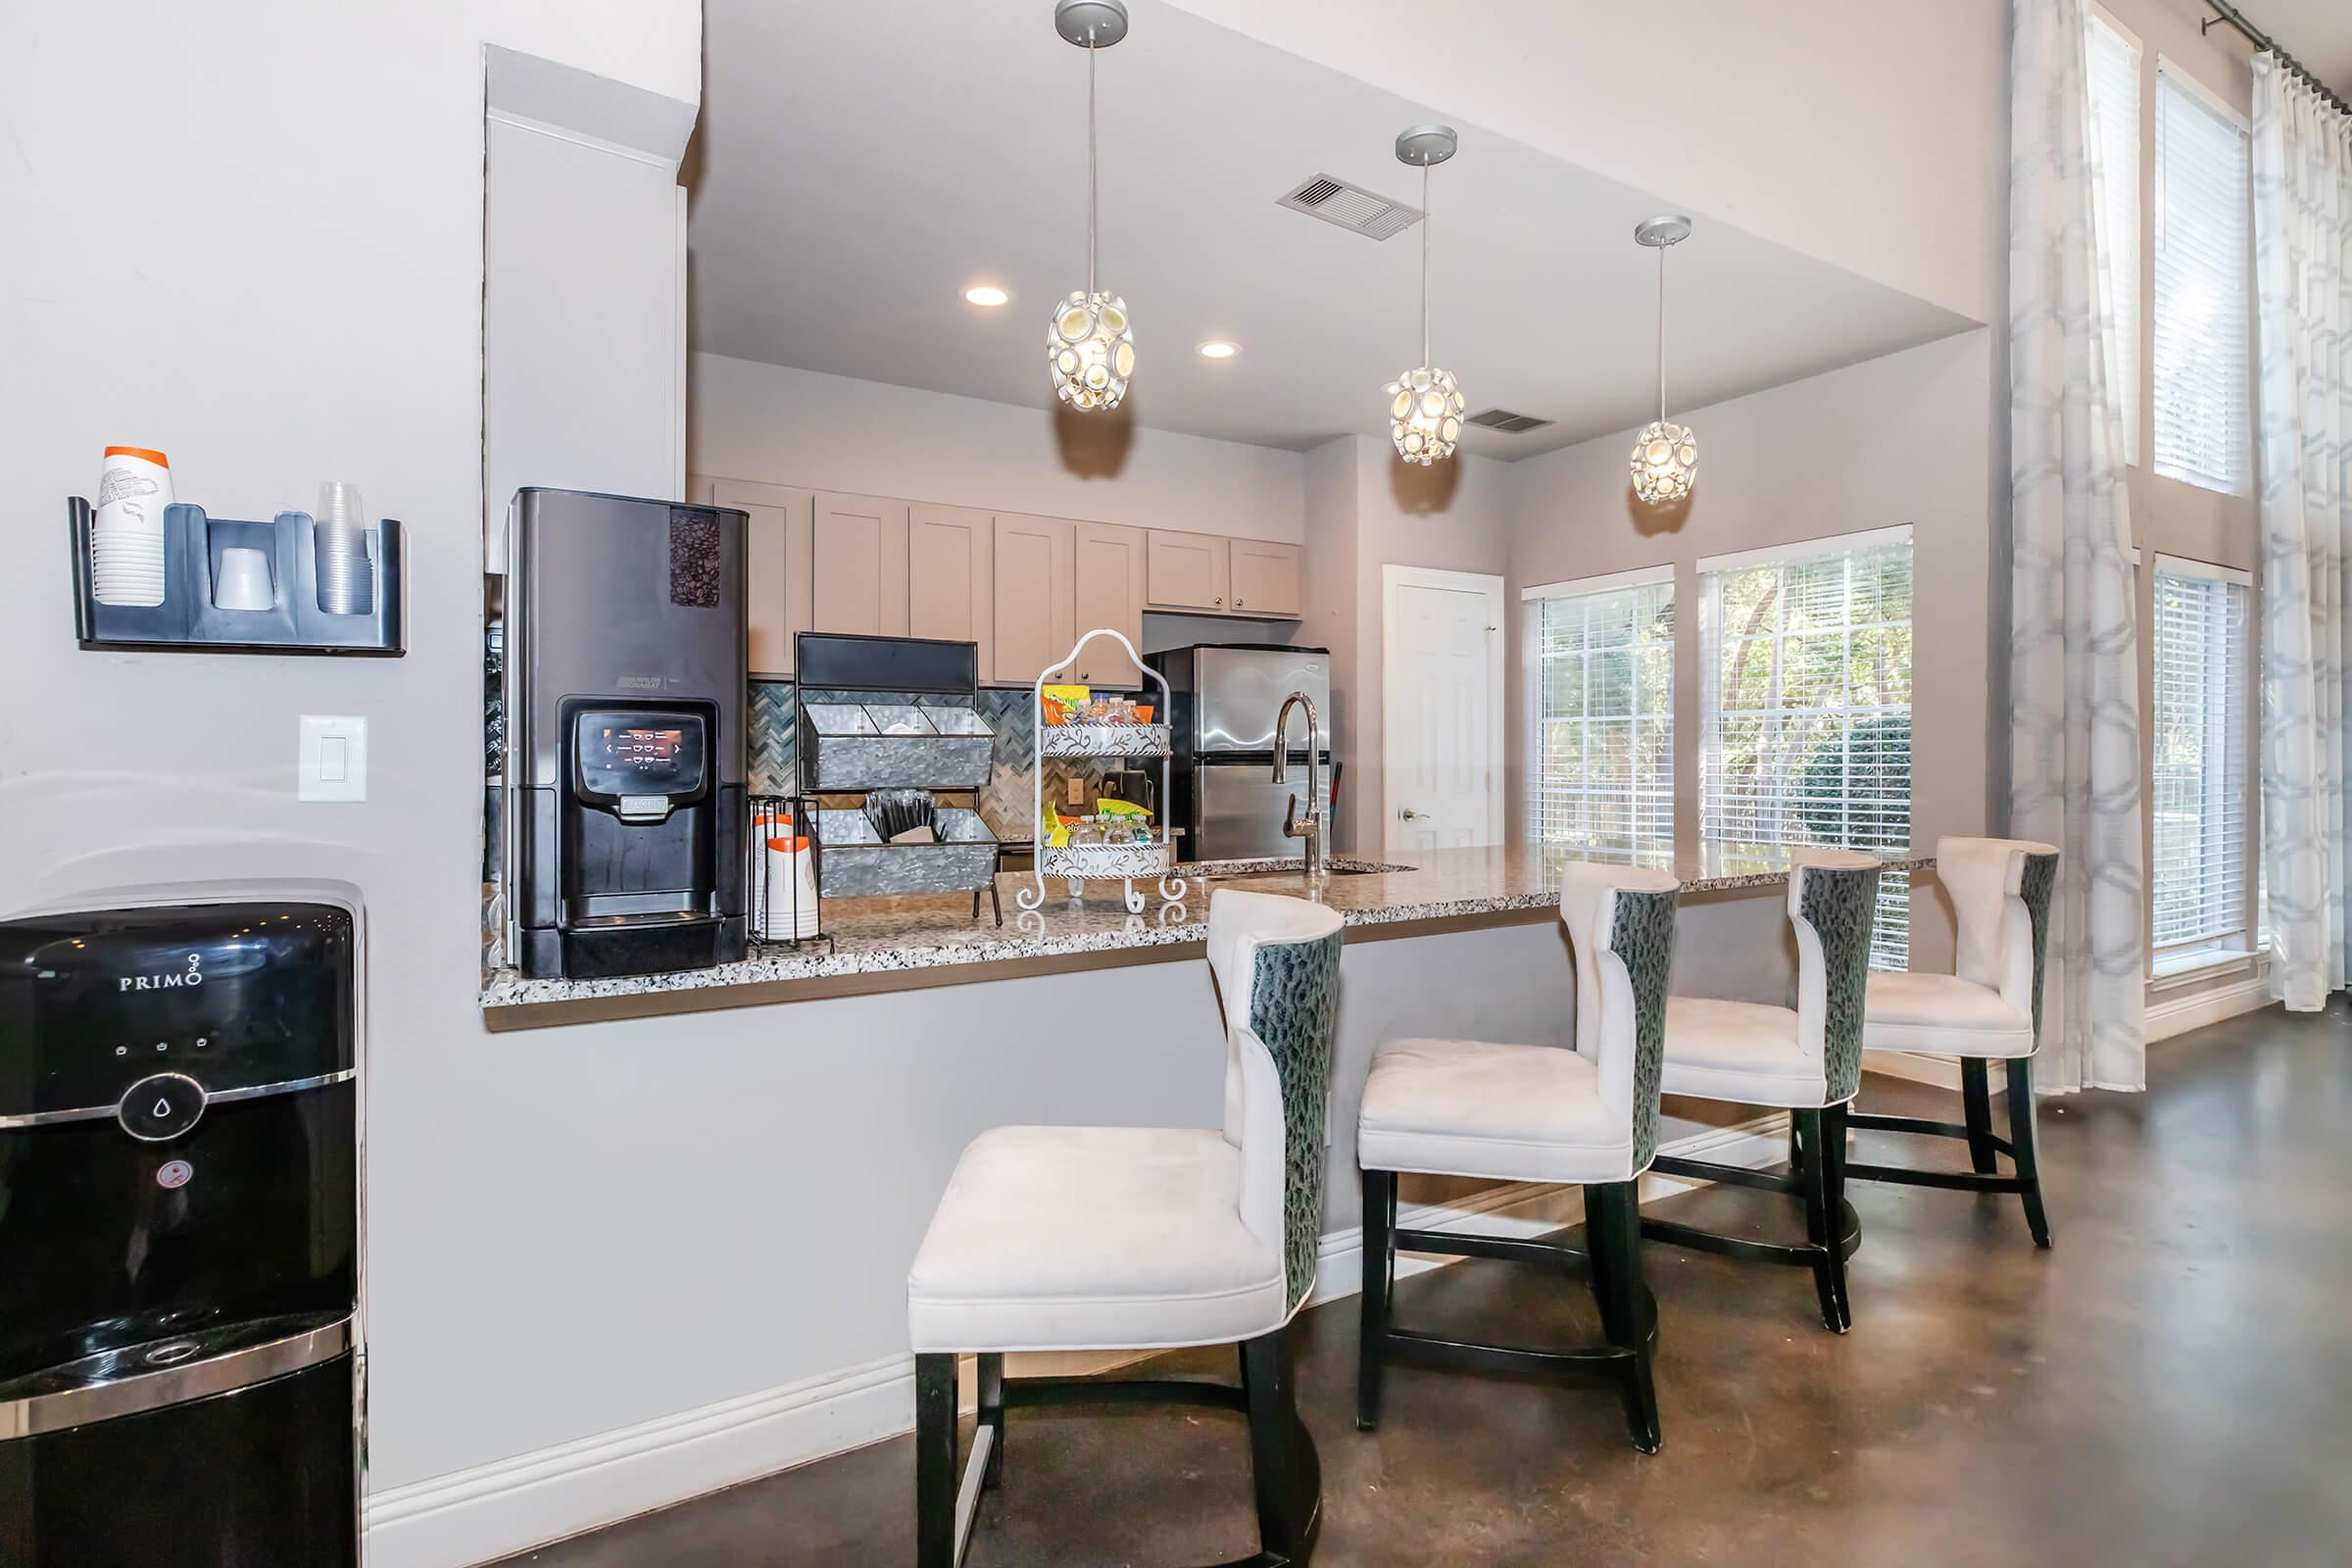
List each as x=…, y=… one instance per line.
x=160, y=1107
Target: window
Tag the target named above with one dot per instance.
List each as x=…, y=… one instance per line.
x=2113, y=81
x=2198, y=880
x=1806, y=655
x=1602, y=678
x=2204, y=434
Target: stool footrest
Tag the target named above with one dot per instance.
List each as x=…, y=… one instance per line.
x=1921, y=1125
x=1770, y=1181
x=1022, y=1393
x=1505, y=1249
x=1965, y=1181
x=1408, y=1345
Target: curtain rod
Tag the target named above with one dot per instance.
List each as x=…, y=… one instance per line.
x=2225, y=12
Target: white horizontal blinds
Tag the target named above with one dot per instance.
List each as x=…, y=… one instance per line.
x=1604, y=773
x=2198, y=881
x=2113, y=81
x=1807, y=708
x=2203, y=432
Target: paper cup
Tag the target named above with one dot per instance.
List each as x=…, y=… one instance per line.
x=126, y=534
x=791, y=912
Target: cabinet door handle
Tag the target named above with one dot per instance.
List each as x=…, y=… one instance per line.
x=1219, y=601
x=1240, y=604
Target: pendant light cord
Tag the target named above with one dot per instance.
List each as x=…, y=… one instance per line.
x=1425, y=266
x=1089, y=170
x=1661, y=334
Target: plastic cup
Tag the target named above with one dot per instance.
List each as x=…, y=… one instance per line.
x=243, y=582
x=346, y=572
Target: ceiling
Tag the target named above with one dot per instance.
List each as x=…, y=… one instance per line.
x=2317, y=32
x=859, y=166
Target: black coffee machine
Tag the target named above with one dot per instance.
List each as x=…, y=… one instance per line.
x=178, y=1237
x=624, y=701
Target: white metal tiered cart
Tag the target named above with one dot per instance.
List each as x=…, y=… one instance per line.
x=1082, y=863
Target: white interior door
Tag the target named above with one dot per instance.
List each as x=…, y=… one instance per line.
x=1441, y=718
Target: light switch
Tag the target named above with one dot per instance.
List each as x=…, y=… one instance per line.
x=333, y=765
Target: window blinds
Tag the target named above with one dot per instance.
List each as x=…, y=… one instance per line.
x=2203, y=430
x=2113, y=81
x=1604, y=680
x=2198, y=881
x=1807, y=703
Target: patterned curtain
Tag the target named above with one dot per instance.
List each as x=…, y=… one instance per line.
x=2303, y=304
x=2074, y=678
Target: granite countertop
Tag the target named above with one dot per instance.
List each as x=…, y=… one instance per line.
x=904, y=943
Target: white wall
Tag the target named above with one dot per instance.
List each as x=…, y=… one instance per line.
x=252, y=236
x=1893, y=440
x=1867, y=135
x=749, y=421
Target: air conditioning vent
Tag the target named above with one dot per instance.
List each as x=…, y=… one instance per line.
x=1506, y=421
x=1350, y=207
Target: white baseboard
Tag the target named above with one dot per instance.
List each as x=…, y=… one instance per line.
x=471, y=1516
x=2177, y=1015
x=1941, y=1071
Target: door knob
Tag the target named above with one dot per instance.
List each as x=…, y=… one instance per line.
x=1405, y=813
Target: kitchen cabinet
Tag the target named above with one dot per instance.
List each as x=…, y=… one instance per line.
x=858, y=576
x=951, y=575
x=778, y=545
x=1034, y=610
x=1265, y=578
x=1189, y=571
x=1107, y=590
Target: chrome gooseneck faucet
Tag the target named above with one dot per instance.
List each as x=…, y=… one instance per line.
x=1311, y=828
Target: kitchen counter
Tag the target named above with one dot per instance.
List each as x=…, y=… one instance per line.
x=902, y=944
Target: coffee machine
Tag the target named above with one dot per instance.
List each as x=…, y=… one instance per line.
x=180, y=1237
x=626, y=665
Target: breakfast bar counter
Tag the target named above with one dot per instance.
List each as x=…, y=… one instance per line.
x=904, y=943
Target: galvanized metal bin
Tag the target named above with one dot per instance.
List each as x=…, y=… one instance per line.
x=854, y=862
x=873, y=746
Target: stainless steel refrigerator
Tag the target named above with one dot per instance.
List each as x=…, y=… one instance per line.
x=1223, y=699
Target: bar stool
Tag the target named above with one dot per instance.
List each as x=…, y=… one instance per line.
x=1987, y=1009
x=1805, y=1060
x=1119, y=1238
x=1535, y=1113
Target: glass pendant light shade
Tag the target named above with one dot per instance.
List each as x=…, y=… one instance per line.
x=1090, y=343
x=1665, y=454
x=1425, y=415
x=1090, y=348
x=1425, y=407
x=1665, y=462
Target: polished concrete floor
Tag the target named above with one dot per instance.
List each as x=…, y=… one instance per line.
x=2172, y=1385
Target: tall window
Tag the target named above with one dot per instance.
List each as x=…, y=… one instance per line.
x=1602, y=656
x=1806, y=654
x=2198, y=883
x=2114, y=61
x=2204, y=431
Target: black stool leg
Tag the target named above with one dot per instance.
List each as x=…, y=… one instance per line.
x=935, y=1462
x=1976, y=1095
x=2022, y=1139
x=1822, y=1221
x=1281, y=1454
x=991, y=1369
x=1380, y=1278
x=1613, y=1242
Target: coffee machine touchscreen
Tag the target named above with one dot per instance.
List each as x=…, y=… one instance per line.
x=624, y=753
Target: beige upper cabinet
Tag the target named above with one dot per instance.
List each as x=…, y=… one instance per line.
x=1109, y=591
x=777, y=551
x=951, y=571
x=1034, y=612
x=860, y=578
x=1265, y=578
x=1190, y=571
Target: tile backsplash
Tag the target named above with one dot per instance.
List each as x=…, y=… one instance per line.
x=1007, y=802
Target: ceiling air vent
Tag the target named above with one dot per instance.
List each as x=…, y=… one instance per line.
x=1350, y=207
x=1506, y=421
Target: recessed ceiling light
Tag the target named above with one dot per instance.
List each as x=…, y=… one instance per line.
x=1219, y=349
x=987, y=294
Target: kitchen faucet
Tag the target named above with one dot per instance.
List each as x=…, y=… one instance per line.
x=1311, y=829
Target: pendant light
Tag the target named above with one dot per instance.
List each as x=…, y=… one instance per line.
x=1425, y=407
x=1089, y=344
x=1665, y=456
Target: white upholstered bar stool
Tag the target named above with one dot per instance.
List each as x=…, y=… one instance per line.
x=1134, y=1238
x=1987, y=1009
x=1805, y=1060
x=1587, y=1116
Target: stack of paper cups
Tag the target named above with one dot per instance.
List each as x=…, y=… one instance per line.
x=127, y=536
x=791, y=896
x=346, y=577
x=765, y=825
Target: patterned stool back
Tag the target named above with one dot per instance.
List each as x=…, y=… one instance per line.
x=1833, y=903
